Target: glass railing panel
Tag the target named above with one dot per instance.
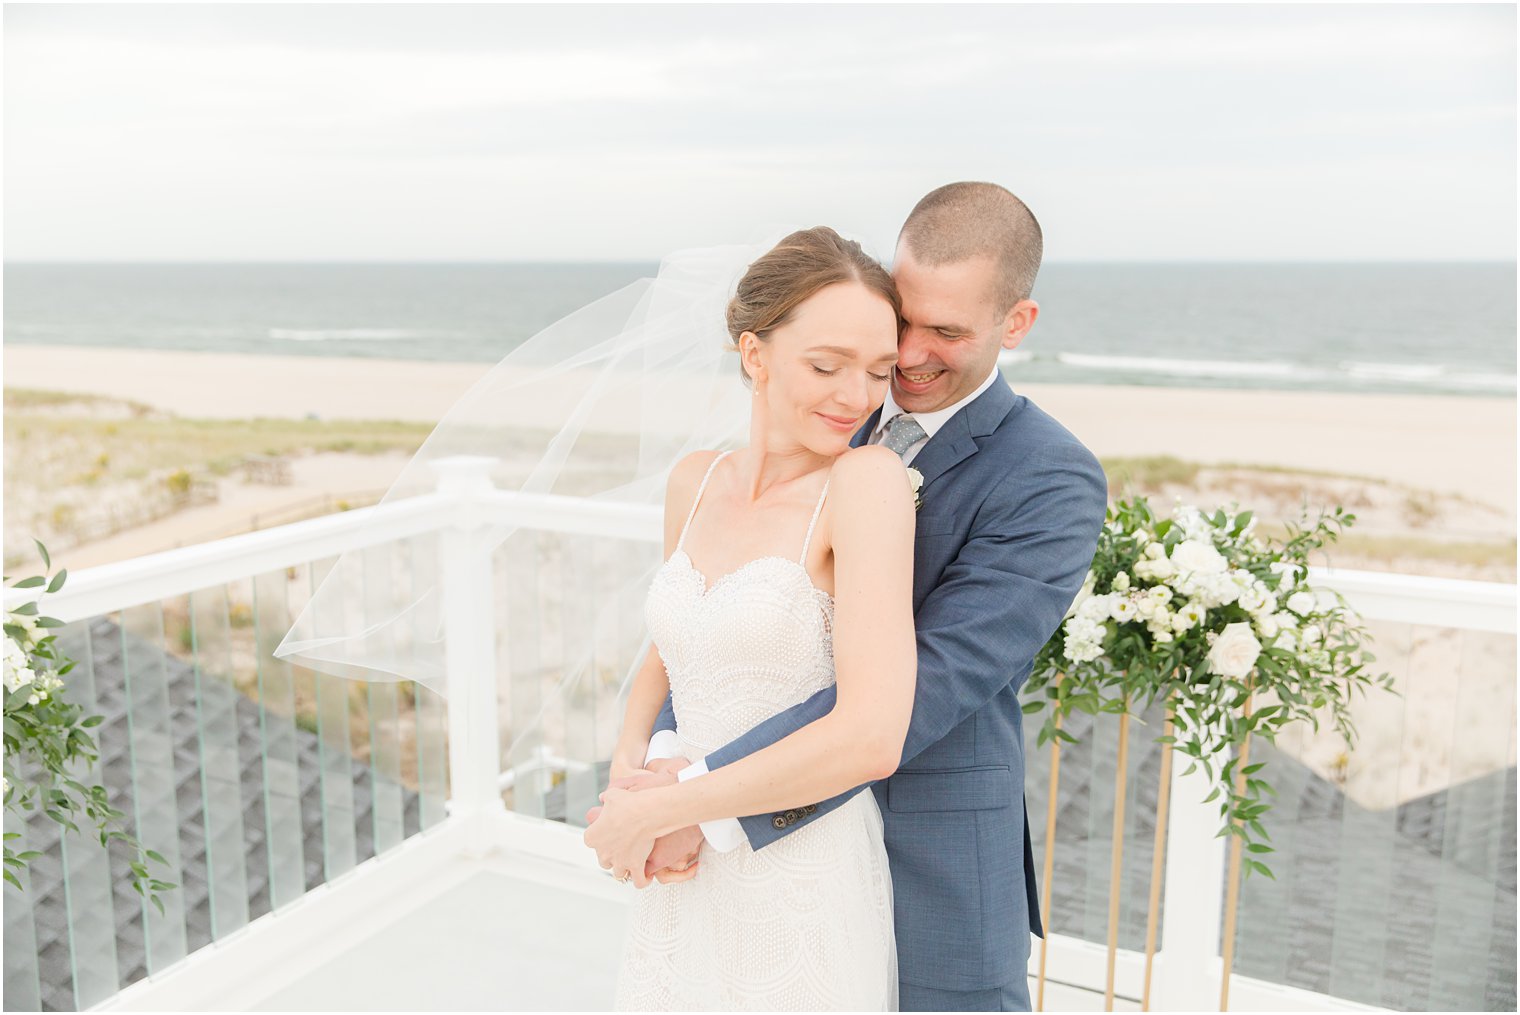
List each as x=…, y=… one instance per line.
x=430, y=715
x=578, y=680
x=334, y=755
x=277, y=718
x=154, y=790
x=521, y=593
x=217, y=698
x=383, y=708
x=1473, y=938
x=22, y=988
x=89, y=872
x=1395, y=861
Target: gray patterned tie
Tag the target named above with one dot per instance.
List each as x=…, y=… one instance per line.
x=902, y=432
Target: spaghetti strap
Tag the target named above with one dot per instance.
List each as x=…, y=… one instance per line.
x=698, y=499
x=817, y=509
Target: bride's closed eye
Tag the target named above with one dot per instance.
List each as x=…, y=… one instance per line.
x=830, y=373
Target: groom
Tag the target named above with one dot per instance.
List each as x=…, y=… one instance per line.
x=1012, y=504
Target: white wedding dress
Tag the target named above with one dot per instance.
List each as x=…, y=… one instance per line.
x=804, y=923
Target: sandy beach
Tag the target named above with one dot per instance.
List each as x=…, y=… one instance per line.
x=1445, y=444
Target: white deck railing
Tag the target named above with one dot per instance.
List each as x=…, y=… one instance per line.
x=1188, y=965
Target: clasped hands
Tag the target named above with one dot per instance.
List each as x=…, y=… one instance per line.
x=616, y=830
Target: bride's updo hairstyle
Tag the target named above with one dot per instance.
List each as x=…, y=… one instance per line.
x=784, y=277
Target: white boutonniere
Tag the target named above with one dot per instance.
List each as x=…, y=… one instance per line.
x=916, y=484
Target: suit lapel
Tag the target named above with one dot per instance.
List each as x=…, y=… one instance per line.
x=864, y=433
x=956, y=440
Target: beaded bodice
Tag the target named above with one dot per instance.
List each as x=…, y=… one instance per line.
x=745, y=647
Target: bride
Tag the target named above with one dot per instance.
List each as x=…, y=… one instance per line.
x=788, y=568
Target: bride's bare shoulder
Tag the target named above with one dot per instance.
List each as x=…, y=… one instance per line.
x=870, y=466
x=687, y=474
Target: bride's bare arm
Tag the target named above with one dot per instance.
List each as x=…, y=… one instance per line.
x=875, y=656
x=651, y=683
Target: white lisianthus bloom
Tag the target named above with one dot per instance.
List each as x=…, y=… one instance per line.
x=1121, y=609
x=1235, y=651
x=1160, y=594
x=1121, y=582
x=1301, y=602
x=1286, y=640
x=1313, y=635
x=1146, y=607
x=1161, y=637
x=1199, y=557
x=1189, y=615
x=1268, y=624
x=1155, y=551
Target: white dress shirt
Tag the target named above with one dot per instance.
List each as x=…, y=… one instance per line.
x=724, y=834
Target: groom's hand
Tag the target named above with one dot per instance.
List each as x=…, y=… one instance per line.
x=668, y=861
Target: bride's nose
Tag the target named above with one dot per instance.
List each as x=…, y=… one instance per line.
x=854, y=392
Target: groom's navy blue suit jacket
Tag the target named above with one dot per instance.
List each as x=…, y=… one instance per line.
x=1012, y=507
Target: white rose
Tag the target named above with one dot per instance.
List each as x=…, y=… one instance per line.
x=1235, y=651
x=1301, y=602
x=1198, y=556
x=915, y=481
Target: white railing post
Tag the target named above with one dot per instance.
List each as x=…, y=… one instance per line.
x=470, y=646
x=1187, y=965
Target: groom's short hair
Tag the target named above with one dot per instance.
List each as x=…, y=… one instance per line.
x=960, y=221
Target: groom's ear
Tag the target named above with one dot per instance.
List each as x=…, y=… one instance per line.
x=1017, y=322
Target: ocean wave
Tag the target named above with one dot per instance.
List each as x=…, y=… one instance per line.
x=1180, y=367
x=348, y=334
x=1351, y=374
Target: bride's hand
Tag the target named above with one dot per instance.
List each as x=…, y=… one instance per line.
x=622, y=834
x=623, y=770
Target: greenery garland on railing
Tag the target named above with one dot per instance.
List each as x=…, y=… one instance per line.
x=1197, y=611
x=48, y=736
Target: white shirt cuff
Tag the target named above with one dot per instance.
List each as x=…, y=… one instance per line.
x=664, y=744
x=722, y=834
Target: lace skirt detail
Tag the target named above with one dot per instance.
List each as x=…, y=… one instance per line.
x=803, y=924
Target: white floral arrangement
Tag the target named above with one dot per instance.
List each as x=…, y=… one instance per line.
x=1197, y=609
x=48, y=742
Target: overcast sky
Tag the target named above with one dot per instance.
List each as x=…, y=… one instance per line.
x=408, y=133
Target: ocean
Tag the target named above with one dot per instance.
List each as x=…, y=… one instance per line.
x=1423, y=328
